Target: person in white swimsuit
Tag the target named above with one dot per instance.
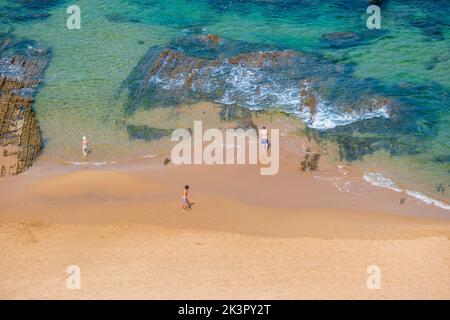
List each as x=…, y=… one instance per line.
x=85, y=147
x=264, y=138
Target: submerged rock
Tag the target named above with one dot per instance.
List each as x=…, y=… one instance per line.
x=341, y=39
x=146, y=133
x=319, y=91
x=211, y=46
x=20, y=138
x=255, y=80
x=430, y=27
x=27, y=10
x=121, y=18
x=242, y=116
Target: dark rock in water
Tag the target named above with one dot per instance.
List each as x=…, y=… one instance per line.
x=211, y=46
x=341, y=39
x=39, y=4
x=434, y=61
x=121, y=18
x=27, y=10
x=268, y=5
x=440, y=188
x=24, y=17
x=20, y=138
x=430, y=27
x=354, y=147
x=444, y=159
x=242, y=116
x=4, y=42
x=166, y=161
x=377, y=2
x=308, y=98
x=166, y=77
x=146, y=133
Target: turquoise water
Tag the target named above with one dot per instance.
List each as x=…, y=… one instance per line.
x=407, y=60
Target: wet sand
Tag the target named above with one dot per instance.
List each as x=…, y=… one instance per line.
x=288, y=236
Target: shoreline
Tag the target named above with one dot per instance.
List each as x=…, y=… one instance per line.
x=251, y=239
x=125, y=229
x=344, y=187
x=294, y=235
x=293, y=140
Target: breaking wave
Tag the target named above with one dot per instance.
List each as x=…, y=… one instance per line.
x=256, y=89
x=377, y=179
x=10, y=70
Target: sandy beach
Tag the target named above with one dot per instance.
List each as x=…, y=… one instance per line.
x=351, y=98
x=287, y=236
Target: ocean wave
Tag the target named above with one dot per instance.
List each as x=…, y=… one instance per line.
x=328, y=117
x=377, y=179
x=427, y=199
x=10, y=70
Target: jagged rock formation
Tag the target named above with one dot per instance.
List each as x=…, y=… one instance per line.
x=168, y=77
x=20, y=138
x=310, y=161
x=207, y=67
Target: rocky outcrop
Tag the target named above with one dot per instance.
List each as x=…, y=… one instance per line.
x=242, y=77
x=311, y=161
x=20, y=138
x=257, y=79
x=308, y=98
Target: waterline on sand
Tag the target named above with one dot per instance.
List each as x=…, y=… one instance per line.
x=378, y=180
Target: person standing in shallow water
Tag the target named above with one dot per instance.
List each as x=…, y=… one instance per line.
x=264, y=138
x=85, y=147
x=185, y=200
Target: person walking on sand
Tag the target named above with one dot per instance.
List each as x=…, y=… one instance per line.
x=85, y=147
x=264, y=138
x=185, y=200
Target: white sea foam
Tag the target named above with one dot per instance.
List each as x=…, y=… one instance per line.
x=255, y=89
x=76, y=163
x=427, y=199
x=327, y=118
x=345, y=186
x=103, y=163
x=10, y=70
x=377, y=179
